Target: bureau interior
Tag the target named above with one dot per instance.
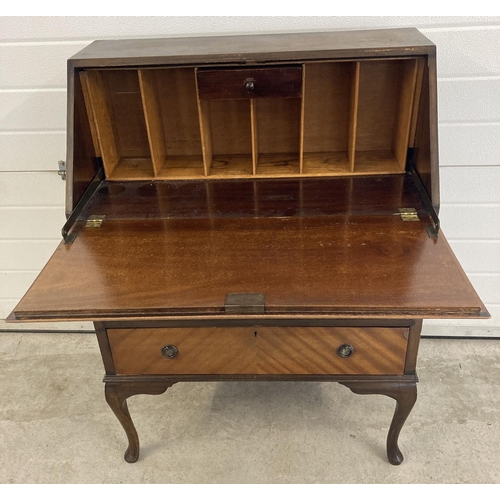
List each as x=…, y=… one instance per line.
x=314, y=119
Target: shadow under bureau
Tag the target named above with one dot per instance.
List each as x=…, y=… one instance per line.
x=254, y=208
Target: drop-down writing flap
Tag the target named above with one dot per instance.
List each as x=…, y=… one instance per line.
x=357, y=266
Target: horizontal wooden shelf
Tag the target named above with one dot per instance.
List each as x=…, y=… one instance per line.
x=182, y=167
x=278, y=165
x=334, y=163
x=231, y=166
x=377, y=162
x=132, y=169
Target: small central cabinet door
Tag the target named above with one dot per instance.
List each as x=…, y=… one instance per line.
x=259, y=351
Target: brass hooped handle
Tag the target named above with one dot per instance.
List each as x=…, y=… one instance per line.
x=345, y=350
x=169, y=351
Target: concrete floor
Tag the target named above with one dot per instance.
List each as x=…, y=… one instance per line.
x=55, y=426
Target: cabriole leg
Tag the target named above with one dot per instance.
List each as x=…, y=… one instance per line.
x=116, y=396
x=405, y=394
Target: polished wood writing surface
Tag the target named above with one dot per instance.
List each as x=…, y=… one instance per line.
x=255, y=198
x=345, y=265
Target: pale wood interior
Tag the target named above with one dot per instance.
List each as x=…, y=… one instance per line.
x=327, y=111
x=179, y=114
x=385, y=103
x=154, y=124
x=278, y=125
x=231, y=136
x=119, y=121
x=354, y=118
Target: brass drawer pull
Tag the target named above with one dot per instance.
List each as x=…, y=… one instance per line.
x=169, y=351
x=345, y=350
x=249, y=86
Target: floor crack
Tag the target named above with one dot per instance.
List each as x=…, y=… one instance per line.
x=17, y=347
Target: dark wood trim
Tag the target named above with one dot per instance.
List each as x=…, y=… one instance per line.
x=255, y=321
x=412, y=349
x=254, y=49
x=70, y=118
x=231, y=65
x=433, y=132
x=107, y=357
x=230, y=60
x=146, y=379
x=26, y=316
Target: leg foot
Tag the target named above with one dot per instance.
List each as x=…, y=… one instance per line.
x=116, y=394
x=405, y=394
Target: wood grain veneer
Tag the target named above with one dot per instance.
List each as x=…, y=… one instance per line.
x=371, y=266
x=259, y=350
x=259, y=198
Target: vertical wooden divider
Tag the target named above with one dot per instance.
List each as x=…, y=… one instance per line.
x=302, y=120
x=152, y=115
x=255, y=136
x=404, y=112
x=206, y=135
x=97, y=100
x=353, y=115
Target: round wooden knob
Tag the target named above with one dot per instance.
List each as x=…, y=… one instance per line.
x=250, y=86
x=169, y=351
x=345, y=350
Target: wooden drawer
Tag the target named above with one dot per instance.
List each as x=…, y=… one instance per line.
x=250, y=83
x=259, y=350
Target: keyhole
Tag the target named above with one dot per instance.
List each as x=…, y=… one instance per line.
x=255, y=334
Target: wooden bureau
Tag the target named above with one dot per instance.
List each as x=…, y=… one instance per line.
x=254, y=208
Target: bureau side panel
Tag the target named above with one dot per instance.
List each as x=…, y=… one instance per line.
x=81, y=156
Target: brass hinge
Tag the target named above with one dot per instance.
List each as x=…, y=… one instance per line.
x=408, y=214
x=94, y=221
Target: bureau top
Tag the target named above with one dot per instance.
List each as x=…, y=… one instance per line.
x=253, y=48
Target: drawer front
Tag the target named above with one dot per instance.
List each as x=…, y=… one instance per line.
x=336, y=351
x=250, y=83
x=199, y=350
x=259, y=351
